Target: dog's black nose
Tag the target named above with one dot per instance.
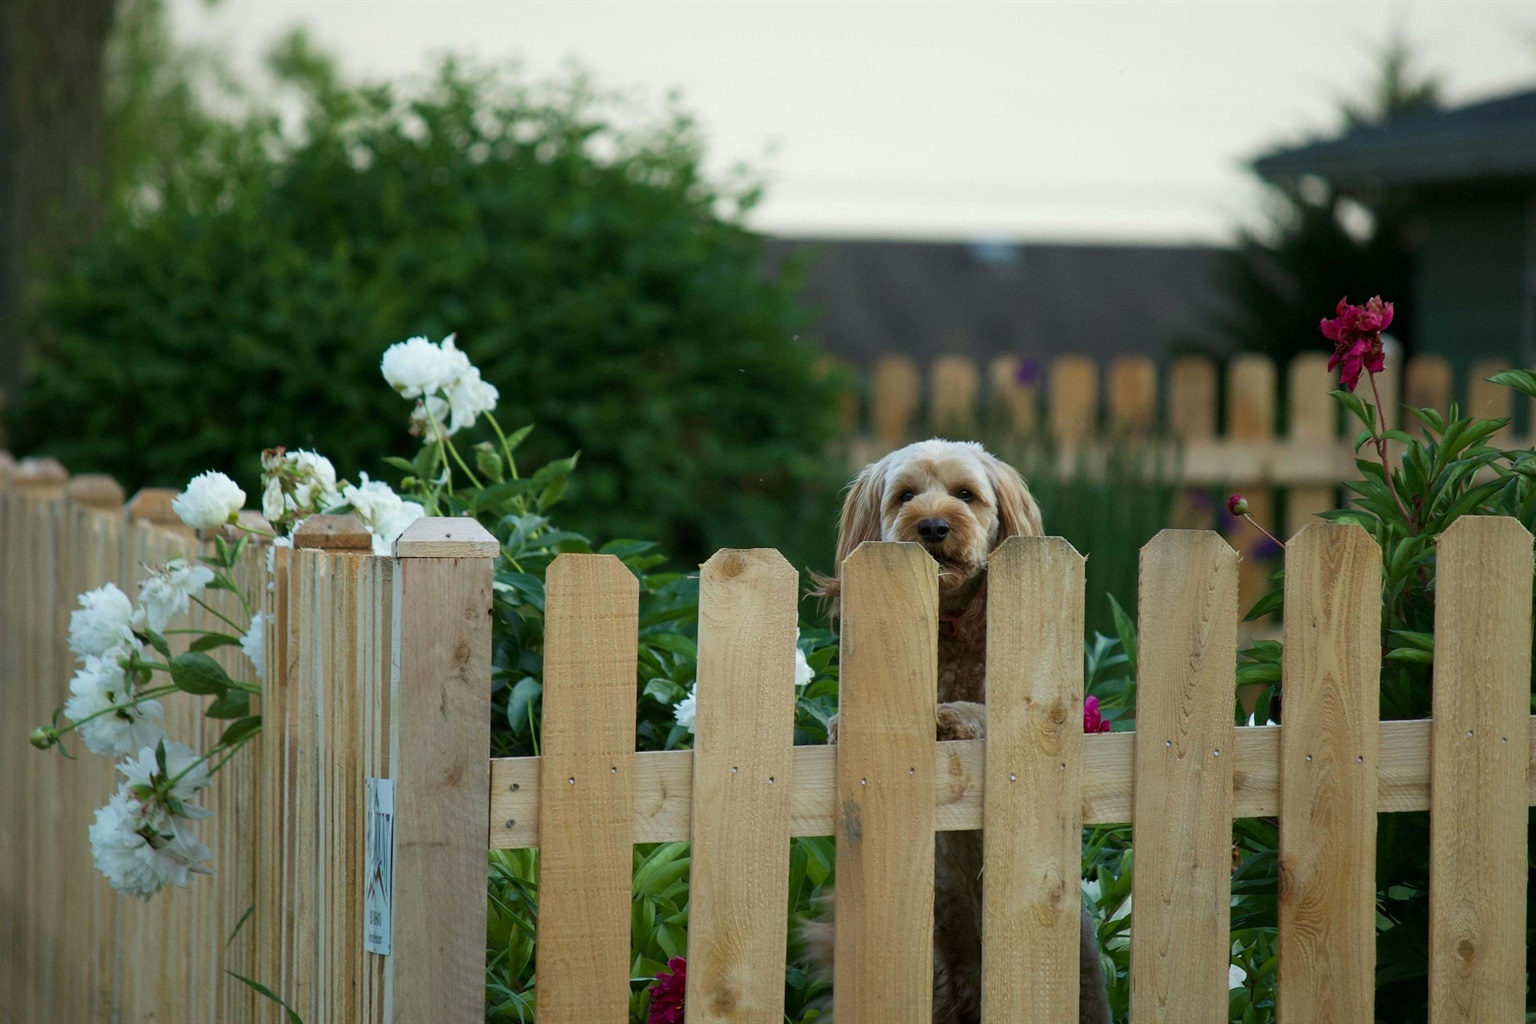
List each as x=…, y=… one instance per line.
x=932, y=530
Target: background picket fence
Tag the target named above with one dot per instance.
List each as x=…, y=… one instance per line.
x=379, y=667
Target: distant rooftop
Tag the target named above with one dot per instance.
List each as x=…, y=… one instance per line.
x=1487, y=141
x=991, y=298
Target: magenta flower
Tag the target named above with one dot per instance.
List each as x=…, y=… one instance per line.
x=1237, y=505
x=667, y=994
x=1091, y=720
x=1356, y=335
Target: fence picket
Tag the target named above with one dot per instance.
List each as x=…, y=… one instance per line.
x=1017, y=390
x=1478, y=791
x=1073, y=404
x=897, y=394
x=743, y=742
x=1329, y=759
x=1032, y=807
x=1313, y=419
x=1251, y=417
x=1486, y=400
x=883, y=972
x=1427, y=384
x=1132, y=387
x=587, y=789
x=952, y=400
x=1182, y=789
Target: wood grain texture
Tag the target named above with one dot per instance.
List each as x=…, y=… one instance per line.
x=445, y=537
x=883, y=972
x=333, y=533
x=664, y=784
x=1132, y=391
x=1183, y=781
x=1478, y=846
x=1073, y=403
x=744, y=736
x=1332, y=675
x=439, y=746
x=587, y=783
x=1032, y=807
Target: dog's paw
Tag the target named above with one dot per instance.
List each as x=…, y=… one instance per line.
x=961, y=720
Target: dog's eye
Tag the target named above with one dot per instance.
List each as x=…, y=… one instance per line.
x=965, y=495
x=906, y=496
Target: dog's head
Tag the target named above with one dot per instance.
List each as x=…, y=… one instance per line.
x=953, y=497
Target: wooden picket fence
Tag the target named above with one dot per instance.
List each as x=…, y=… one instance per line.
x=379, y=668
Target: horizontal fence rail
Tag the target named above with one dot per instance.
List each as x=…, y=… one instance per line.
x=378, y=668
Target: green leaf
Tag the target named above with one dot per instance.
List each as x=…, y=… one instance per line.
x=1270, y=602
x=239, y=730
x=1125, y=629
x=1257, y=672
x=156, y=641
x=1423, y=641
x=1521, y=380
x=209, y=641
x=234, y=704
x=293, y=1018
x=195, y=672
x=404, y=465
x=1411, y=654
x=674, y=643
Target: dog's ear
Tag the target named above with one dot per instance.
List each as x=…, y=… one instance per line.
x=858, y=522
x=1017, y=513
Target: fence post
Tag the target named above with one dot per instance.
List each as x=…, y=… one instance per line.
x=439, y=735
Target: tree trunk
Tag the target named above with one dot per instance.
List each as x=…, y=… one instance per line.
x=53, y=144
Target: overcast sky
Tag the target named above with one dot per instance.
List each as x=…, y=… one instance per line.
x=1034, y=120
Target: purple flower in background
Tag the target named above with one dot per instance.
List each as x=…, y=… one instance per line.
x=1092, y=722
x=1265, y=549
x=1028, y=373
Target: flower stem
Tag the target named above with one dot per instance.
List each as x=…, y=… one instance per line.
x=1381, y=452
x=505, y=450
x=1261, y=529
x=163, y=691
x=219, y=615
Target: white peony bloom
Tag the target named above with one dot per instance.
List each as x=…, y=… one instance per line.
x=416, y=367
x=102, y=622
x=468, y=397
x=254, y=646
x=374, y=502
x=211, y=499
x=168, y=592
x=685, y=711
x=180, y=760
x=315, y=480
x=405, y=515
x=99, y=704
x=142, y=849
x=803, y=672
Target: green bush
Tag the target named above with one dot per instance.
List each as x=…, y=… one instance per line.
x=609, y=290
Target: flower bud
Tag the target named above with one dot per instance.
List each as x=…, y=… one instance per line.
x=43, y=737
x=1237, y=505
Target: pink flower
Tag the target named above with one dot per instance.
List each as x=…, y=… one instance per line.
x=667, y=994
x=1237, y=505
x=1091, y=720
x=1356, y=335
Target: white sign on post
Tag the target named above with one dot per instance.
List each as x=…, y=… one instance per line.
x=380, y=863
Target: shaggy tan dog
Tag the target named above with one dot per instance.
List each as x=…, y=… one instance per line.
x=960, y=503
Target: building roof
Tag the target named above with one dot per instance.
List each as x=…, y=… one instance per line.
x=926, y=299
x=1487, y=141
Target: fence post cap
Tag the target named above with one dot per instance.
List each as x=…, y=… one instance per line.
x=333, y=533
x=446, y=537
x=39, y=472
x=153, y=505
x=95, y=490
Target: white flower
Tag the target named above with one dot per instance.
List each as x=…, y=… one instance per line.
x=468, y=397
x=99, y=704
x=429, y=411
x=277, y=542
x=168, y=592
x=416, y=367
x=382, y=511
x=102, y=622
x=254, y=647
x=685, y=711
x=140, y=850
x=802, y=670
x=1236, y=977
x=315, y=480
x=211, y=499
x=181, y=763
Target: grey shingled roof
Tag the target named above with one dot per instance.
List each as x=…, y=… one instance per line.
x=1495, y=139
x=926, y=299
